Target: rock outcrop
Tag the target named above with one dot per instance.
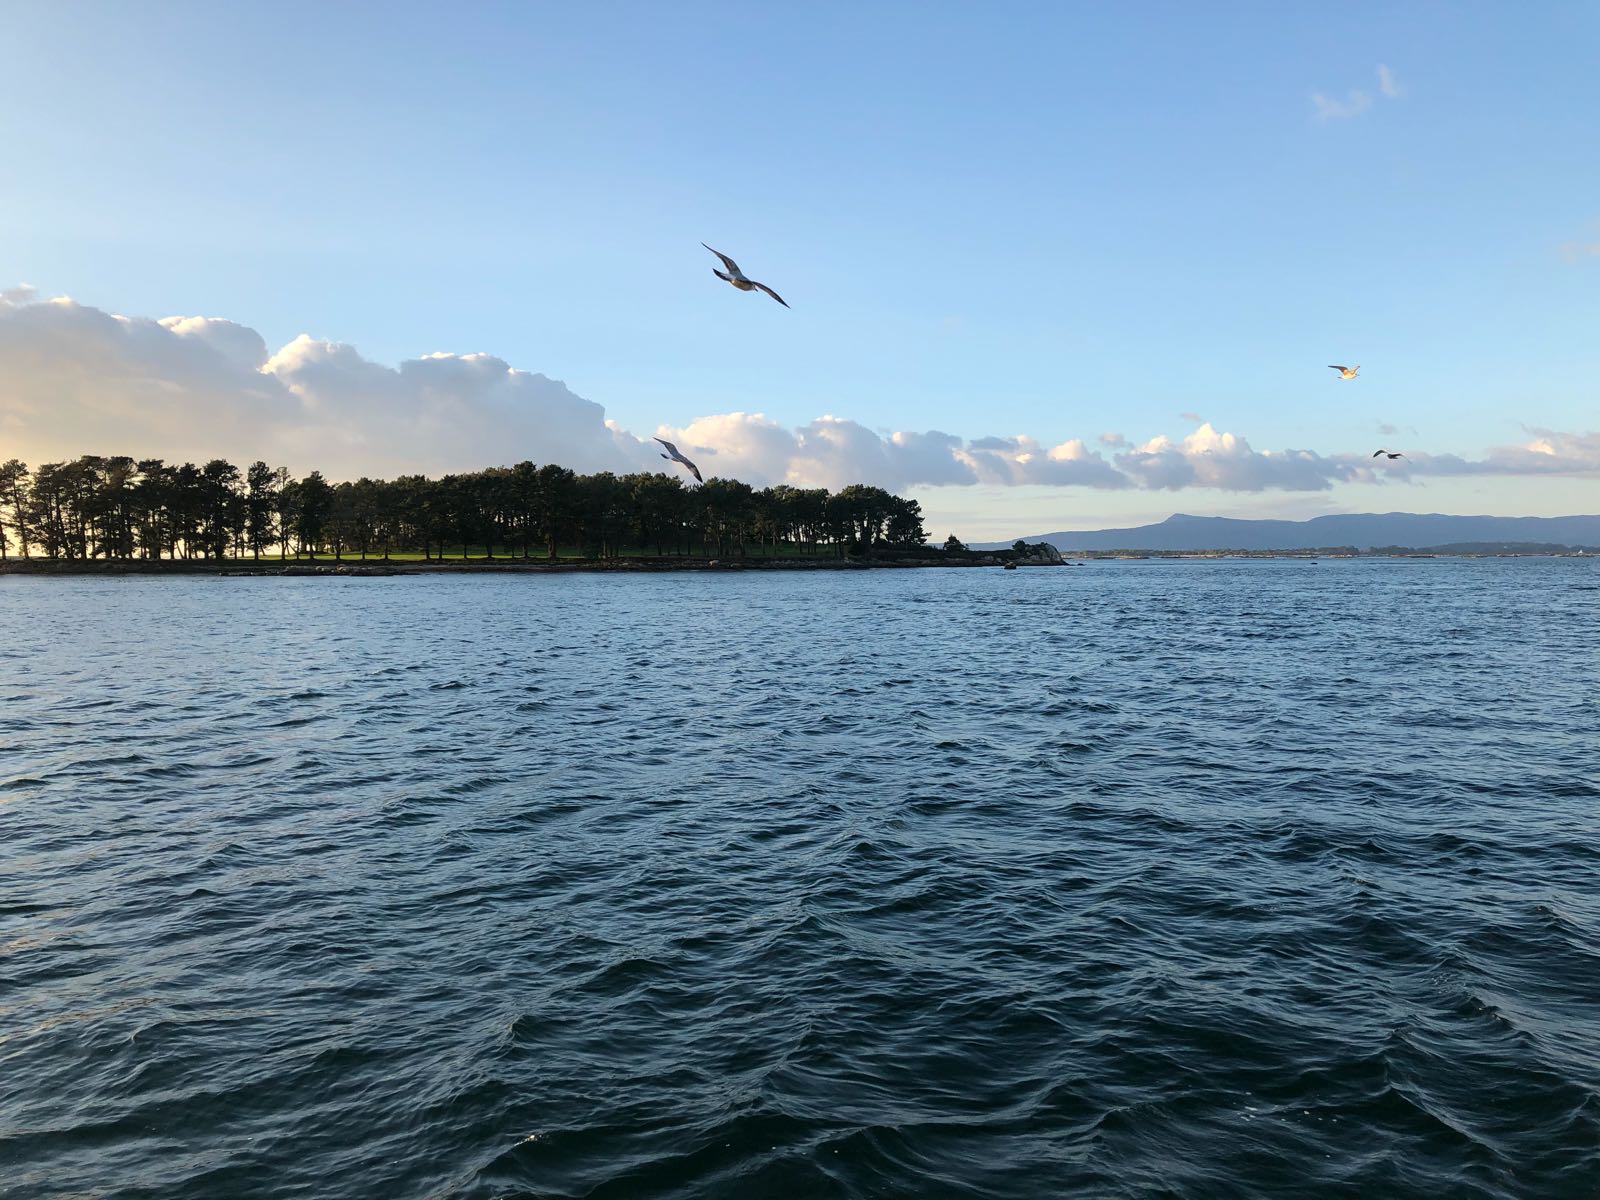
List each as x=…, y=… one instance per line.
x=1040, y=554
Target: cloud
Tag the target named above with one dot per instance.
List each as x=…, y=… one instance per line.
x=932, y=457
x=75, y=379
x=73, y=376
x=834, y=451
x=1192, y=418
x=1546, y=452
x=460, y=410
x=1325, y=108
x=1357, y=100
x=1577, y=251
x=1212, y=459
x=1015, y=461
x=1387, y=429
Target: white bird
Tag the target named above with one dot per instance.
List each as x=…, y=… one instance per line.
x=739, y=279
x=1345, y=372
x=672, y=455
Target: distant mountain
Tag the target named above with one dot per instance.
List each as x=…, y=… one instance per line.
x=1362, y=530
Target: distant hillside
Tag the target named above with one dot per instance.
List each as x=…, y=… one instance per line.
x=1363, y=530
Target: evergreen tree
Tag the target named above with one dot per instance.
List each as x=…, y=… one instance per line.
x=261, y=504
x=15, y=494
x=115, y=508
x=313, y=510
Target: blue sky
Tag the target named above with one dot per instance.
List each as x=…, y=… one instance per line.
x=1045, y=220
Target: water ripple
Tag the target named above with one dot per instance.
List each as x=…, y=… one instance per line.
x=1139, y=880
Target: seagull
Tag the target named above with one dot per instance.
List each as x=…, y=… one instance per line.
x=672, y=455
x=1393, y=454
x=738, y=278
x=1345, y=372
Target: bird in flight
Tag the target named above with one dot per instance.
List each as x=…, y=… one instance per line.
x=672, y=455
x=1345, y=372
x=739, y=279
x=1393, y=454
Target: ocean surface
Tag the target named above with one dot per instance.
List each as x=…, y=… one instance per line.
x=1198, y=879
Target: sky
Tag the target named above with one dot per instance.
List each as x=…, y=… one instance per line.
x=1051, y=266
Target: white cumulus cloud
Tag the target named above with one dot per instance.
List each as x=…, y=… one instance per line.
x=1211, y=459
x=75, y=379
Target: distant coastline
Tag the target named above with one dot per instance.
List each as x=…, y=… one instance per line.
x=1346, y=533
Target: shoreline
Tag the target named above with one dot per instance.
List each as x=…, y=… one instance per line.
x=379, y=568
x=664, y=565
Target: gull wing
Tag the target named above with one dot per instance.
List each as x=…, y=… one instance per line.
x=1375, y=453
x=678, y=457
x=1337, y=367
x=726, y=261
x=771, y=293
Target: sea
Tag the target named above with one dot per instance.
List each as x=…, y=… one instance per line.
x=1213, y=878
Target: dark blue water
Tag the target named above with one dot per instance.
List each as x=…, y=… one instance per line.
x=1190, y=880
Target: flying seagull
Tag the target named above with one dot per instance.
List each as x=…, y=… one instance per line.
x=1393, y=454
x=739, y=279
x=672, y=455
x=1345, y=372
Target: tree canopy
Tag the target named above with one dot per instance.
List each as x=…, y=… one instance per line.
x=117, y=508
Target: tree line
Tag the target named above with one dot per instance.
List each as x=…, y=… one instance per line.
x=119, y=508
